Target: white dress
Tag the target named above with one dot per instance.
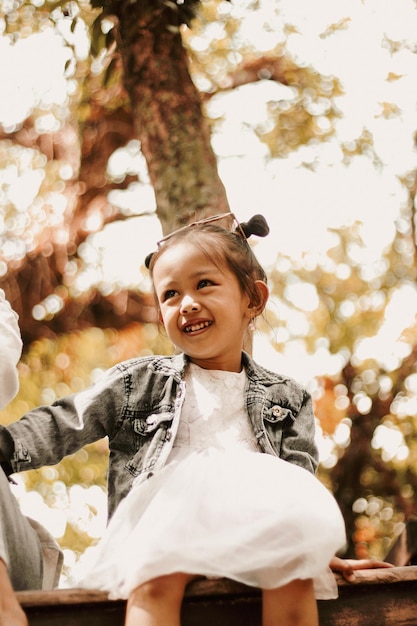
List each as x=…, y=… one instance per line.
x=220, y=507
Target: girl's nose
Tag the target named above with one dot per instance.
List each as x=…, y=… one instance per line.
x=189, y=304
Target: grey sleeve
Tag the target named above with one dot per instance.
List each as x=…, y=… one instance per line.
x=44, y=435
x=10, y=352
x=298, y=443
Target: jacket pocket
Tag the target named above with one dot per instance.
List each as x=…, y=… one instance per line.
x=279, y=416
x=149, y=424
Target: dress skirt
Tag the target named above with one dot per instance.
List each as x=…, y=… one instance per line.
x=244, y=515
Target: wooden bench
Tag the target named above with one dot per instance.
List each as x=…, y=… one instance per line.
x=380, y=597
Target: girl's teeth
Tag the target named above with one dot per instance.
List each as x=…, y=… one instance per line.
x=195, y=327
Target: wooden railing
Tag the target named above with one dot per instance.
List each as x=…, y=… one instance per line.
x=379, y=597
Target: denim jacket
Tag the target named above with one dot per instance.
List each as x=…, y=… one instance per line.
x=137, y=405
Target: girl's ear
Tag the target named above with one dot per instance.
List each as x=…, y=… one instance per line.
x=263, y=295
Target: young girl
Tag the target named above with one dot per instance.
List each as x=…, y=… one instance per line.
x=225, y=458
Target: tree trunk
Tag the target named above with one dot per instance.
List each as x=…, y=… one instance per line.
x=174, y=134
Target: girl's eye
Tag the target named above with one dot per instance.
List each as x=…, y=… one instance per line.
x=204, y=282
x=170, y=293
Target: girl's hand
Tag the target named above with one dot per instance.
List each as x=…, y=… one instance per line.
x=347, y=566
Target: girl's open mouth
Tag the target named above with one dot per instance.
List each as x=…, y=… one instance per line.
x=192, y=328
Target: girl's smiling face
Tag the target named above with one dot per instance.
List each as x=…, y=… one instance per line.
x=202, y=306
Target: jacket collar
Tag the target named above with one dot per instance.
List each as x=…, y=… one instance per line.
x=175, y=366
x=259, y=374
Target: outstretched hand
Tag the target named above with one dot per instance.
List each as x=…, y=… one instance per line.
x=346, y=567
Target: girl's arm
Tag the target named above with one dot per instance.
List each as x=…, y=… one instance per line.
x=46, y=434
x=346, y=567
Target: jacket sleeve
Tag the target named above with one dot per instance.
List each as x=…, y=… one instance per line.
x=44, y=435
x=298, y=442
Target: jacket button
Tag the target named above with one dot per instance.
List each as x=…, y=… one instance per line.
x=277, y=411
x=150, y=475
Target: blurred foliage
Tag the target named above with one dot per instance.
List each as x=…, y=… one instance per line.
x=44, y=146
x=226, y=61
x=366, y=410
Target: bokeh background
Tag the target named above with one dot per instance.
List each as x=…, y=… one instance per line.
x=306, y=112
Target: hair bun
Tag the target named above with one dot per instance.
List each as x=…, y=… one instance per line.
x=148, y=259
x=257, y=225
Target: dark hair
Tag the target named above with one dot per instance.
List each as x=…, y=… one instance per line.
x=222, y=245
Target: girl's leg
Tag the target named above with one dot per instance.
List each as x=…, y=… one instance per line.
x=292, y=605
x=158, y=601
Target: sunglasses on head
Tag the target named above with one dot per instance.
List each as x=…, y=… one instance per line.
x=257, y=225
x=229, y=220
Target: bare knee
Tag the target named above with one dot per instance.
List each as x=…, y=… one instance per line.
x=166, y=589
x=158, y=588
x=293, y=604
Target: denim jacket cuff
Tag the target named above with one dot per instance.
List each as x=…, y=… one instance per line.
x=6, y=450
